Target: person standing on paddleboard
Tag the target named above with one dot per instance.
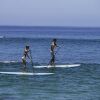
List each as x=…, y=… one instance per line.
x=25, y=55
x=52, y=50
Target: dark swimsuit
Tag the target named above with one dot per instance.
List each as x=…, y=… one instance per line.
x=25, y=54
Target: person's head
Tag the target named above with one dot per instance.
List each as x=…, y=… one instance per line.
x=27, y=47
x=54, y=40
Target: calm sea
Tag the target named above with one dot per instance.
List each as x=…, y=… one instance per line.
x=76, y=45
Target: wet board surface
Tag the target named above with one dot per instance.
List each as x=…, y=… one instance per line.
x=25, y=73
x=58, y=66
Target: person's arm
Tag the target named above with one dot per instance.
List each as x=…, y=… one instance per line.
x=55, y=45
x=27, y=54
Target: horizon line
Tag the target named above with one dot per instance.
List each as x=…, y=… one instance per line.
x=50, y=26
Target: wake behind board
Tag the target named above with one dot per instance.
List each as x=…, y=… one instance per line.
x=25, y=73
x=59, y=66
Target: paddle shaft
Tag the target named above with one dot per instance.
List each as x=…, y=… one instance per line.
x=31, y=59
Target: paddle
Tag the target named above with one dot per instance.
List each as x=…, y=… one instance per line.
x=31, y=59
x=57, y=50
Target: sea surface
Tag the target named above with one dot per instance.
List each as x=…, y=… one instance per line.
x=77, y=45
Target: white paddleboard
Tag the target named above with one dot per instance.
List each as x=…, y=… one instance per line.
x=25, y=73
x=59, y=66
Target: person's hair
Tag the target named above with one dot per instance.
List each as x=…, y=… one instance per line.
x=54, y=40
x=27, y=47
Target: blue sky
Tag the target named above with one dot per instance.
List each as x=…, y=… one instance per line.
x=50, y=12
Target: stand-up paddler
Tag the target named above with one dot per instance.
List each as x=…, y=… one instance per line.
x=25, y=56
x=52, y=50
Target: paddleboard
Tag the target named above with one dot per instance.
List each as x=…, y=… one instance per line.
x=59, y=66
x=25, y=73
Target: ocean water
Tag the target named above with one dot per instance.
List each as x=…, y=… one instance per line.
x=76, y=45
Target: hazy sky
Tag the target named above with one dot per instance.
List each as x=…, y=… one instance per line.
x=50, y=12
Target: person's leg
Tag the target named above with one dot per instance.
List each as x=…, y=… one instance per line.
x=52, y=61
x=24, y=63
x=51, y=58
